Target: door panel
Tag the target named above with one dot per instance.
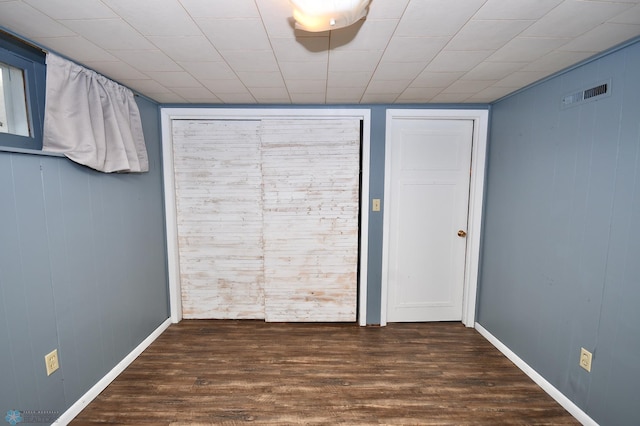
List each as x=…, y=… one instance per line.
x=429, y=196
x=219, y=216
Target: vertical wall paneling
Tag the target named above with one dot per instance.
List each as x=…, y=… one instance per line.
x=560, y=266
x=218, y=186
x=311, y=203
x=82, y=269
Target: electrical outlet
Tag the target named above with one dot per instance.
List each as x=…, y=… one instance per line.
x=585, y=359
x=51, y=361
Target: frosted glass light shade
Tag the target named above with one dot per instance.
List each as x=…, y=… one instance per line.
x=324, y=15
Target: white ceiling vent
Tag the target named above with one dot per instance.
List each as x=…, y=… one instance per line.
x=597, y=91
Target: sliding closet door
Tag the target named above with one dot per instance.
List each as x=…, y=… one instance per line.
x=267, y=215
x=219, y=213
x=311, y=197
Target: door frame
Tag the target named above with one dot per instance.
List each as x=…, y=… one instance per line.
x=476, y=196
x=167, y=115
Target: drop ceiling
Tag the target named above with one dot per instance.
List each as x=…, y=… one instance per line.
x=247, y=52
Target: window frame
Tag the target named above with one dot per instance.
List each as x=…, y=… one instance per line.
x=31, y=61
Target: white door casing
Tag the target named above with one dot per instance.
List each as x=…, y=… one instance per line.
x=168, y=115
x=414, y=191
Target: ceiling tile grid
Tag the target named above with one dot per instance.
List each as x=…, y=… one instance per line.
x=248, y=51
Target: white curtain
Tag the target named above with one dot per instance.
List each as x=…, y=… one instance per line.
x=92, y=120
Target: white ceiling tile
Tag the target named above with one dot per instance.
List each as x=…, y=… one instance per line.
x=224, y=86
x=387, y=9
x=110, y=34
x=351, y=61
x=377, y=98
x=450, y=98
x=414, y=49
x=215, y=50
x=145, y=86
x=492, y=70
x=305, y=49
x=76, y=47
x=403, y=71
x=167, y=98
x=373, y=36
x=221, y=8
x=510, y=9
x=420, y=94
x=436, y=79
x=629, y=16
x=349, y=79
x=602, y=37
x=387, y=86
x=147, y=60
x=436, y=18
x=270, y=94
x=307, y=98
x=276, y=15
x=208, y=70
x=486, y=35
x=195, y=94
x=261, y=79
x=574, y=17
x=253, y=60
x=526, y=49
x=556, y=61
x=29, y=22
x=454, y=61
x=468, y=86
x=490, y=94
x=174, y=79
x=155, y=17
x=235, y=34
x=237, y=98
x=341, y=94
x=85, y=9
x=307, y=86
x=116, y=70
x=187, y=48
x=520, y=79
x=302, y=70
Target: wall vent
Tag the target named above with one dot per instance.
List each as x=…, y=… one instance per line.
x=598, y=91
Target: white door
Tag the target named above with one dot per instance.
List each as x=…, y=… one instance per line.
x=428, y=203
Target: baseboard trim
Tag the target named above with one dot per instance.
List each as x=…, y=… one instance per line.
x=566, y=403
x=92, y=393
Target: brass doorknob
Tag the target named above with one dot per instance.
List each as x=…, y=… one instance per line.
x=461, y=233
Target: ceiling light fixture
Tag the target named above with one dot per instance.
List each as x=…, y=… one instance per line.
x=325, y=15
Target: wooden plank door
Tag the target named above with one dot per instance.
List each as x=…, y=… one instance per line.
x=218, y=182
x=268, y=216
x=428, y=199
x=311, y=180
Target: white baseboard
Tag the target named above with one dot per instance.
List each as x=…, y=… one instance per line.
x=566, y=403
x=92, y=393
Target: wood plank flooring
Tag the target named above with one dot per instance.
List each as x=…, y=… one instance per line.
x=251, y=372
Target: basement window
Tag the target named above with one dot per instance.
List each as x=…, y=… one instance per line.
x=22, y=91
x=13, y=101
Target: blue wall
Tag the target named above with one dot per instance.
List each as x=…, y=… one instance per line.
x=82, y=269
x=561, y=254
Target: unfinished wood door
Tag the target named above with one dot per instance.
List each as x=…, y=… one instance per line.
x=268, y=218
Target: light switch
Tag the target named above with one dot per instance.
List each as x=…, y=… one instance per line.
x=375, y=205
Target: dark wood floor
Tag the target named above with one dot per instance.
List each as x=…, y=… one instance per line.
x=251, y=372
